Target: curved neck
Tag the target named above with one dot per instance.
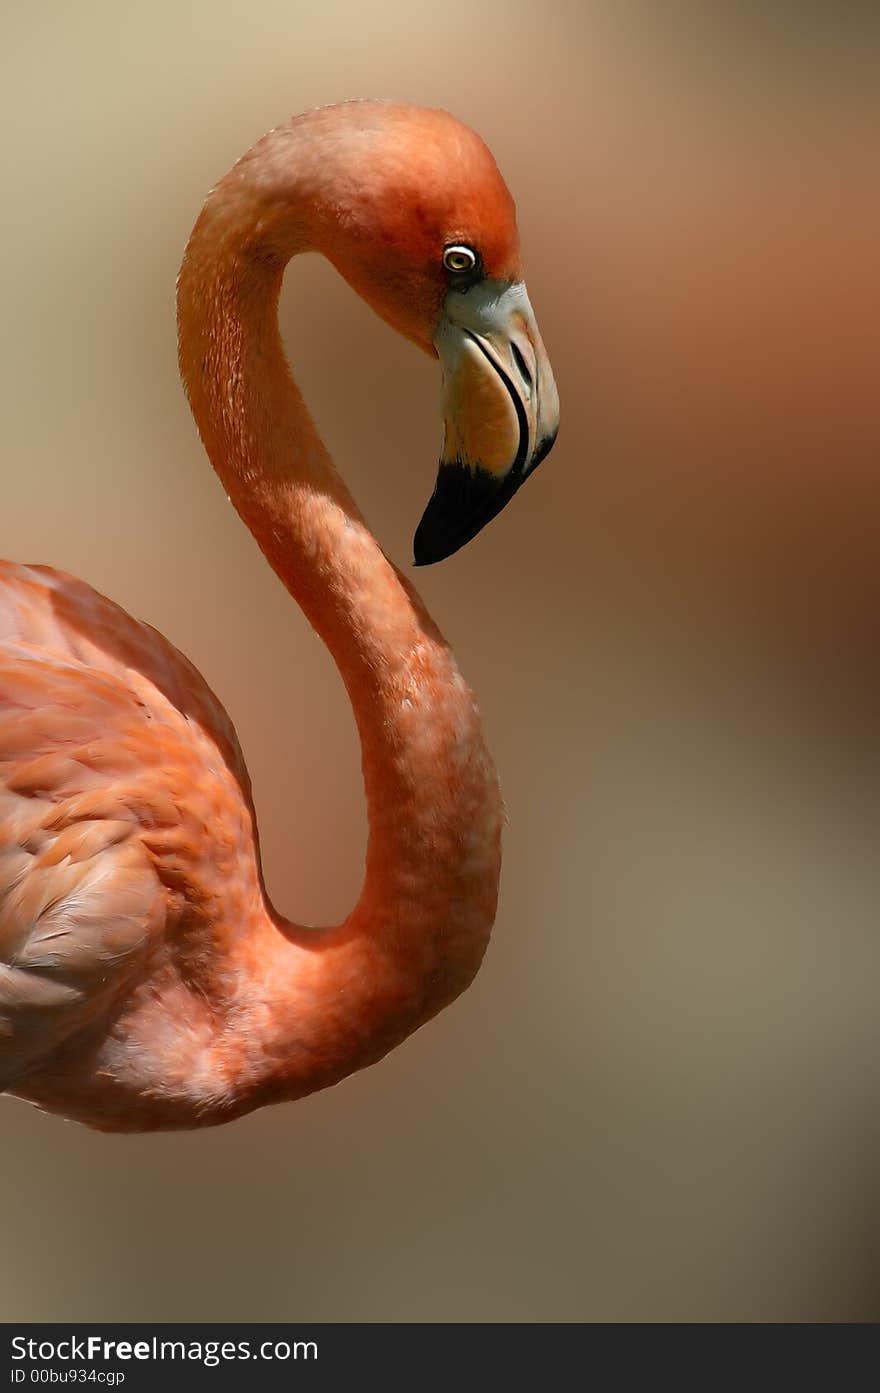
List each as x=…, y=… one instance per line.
x=432, y=796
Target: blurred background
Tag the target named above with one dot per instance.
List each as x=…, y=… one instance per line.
x=658, y=1101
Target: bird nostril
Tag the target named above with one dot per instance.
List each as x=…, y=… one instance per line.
x=521, y=364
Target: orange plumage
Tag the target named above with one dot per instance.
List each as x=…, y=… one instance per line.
x=145, y=979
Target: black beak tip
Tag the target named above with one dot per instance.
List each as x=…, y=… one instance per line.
x=462, y=503
x=429, y=545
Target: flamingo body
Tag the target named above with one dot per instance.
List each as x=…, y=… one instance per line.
x=128, y=829
x=146, y=981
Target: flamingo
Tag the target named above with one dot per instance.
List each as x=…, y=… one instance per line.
x=146, y=980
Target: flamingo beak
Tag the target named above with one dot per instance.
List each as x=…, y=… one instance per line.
x=500, y=408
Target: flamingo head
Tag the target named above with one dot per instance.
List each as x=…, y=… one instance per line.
x=417, y=218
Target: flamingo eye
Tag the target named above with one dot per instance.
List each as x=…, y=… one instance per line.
x=459, y=259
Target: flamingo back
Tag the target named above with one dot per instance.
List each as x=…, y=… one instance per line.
x=126, y=824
